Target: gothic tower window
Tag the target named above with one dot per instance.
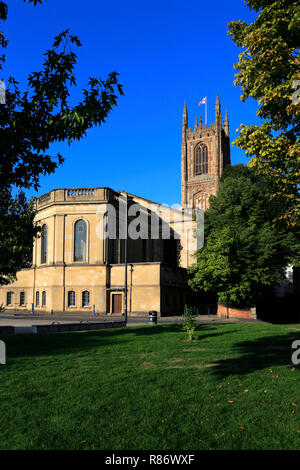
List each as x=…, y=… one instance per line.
x=44, y=244
x=201, y=159
x=43, y=299
x=80, y=241
x=37, y=299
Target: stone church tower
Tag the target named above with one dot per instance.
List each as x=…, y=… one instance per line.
x=205, y=153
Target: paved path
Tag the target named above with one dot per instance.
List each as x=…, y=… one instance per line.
x=27, y=320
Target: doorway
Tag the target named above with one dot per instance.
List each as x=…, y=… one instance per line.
x=116, y=303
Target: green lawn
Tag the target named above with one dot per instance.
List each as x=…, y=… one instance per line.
x=147, y=388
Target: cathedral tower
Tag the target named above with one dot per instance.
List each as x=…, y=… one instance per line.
x=204, y=154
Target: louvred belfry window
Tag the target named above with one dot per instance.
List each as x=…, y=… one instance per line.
x=201, y=159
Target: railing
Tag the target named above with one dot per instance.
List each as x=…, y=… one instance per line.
x=74, y=195
x=81, y=192
x=45, y=197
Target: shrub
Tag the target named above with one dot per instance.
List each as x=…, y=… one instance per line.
x=189, y=322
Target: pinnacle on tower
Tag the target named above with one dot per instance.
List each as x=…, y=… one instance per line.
x=226, y=124
x=185, y=116
x=218, y=108
x=196, y=123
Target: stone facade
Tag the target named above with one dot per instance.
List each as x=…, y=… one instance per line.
x=156, y=280
x=198, y=182
x=63, y=281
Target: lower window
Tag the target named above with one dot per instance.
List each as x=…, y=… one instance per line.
x=37, y=299
x=43, y=299
x=22, y=299
x=71, y=298
x=85, y=298
x=9, y=299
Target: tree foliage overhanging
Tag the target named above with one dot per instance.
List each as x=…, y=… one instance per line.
x=269, y=71
x=30, y=122
x=244, y=252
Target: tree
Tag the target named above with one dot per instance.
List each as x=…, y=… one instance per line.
x=30, y=122
x=269, y=71
x=244, y=253
x=17, y=230
x=189, y=323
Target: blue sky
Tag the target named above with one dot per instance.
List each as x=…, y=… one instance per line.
x=166, y=52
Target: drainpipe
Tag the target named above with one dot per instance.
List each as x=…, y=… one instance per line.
x=130, y=301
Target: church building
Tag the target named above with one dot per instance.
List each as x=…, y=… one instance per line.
x=205, y=153
x=78, y=263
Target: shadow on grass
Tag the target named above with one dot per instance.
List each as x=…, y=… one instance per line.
x=265, y=352
x=252, y=355
x=51, y=344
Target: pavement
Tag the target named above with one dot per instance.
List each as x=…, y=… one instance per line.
x=27, y=320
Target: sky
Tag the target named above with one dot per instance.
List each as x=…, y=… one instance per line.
x=166, y=52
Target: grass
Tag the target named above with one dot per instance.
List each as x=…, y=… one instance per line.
x=234, y=387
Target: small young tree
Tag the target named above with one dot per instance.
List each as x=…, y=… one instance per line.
x=189, y=323
x=244, y=253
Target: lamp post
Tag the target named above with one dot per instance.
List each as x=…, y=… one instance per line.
x=125, y=255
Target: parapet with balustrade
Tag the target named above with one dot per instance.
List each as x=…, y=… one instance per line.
x=74, y=195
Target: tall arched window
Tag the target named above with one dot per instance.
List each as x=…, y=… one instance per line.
x=37, y=299
x=201, y=159
x=44, y=245
x=85, y=298
x=71, y=298
x=80, y=241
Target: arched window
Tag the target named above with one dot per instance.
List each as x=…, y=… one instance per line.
x=71, y=298
x=44, y=245
x=85, y=298
x=201, y=159
x=80, y=241
x=9, y=299
x=22, y=299
x=43, y=299
x=37, y=299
